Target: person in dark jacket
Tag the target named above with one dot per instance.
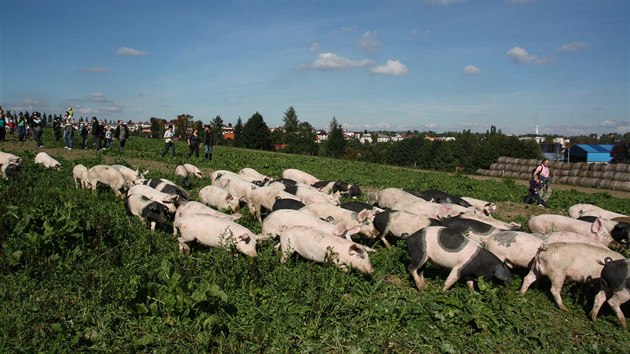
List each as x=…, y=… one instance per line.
x=96, y=134
x=193, y=143
x=84, y=135
x=38, y=129
x=208, y=142
x=122, y=134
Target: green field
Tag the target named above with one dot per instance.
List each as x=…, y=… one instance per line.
x=79, y=275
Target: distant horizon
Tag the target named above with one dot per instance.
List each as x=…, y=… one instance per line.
x=433, y=65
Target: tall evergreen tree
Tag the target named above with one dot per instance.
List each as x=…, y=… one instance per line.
x=256, y=133
x=336, y=145
x=217, y=127
x=183, y=122
x=238, y=133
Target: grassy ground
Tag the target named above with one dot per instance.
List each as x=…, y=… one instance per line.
x=78, y=274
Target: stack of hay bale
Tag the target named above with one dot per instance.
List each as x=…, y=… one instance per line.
x=594, y=175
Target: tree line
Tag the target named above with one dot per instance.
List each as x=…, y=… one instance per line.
x=467, y=152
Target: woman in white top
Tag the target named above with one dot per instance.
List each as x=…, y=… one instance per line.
x=168, y=141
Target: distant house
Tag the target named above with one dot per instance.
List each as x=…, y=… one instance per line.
x=588, y=153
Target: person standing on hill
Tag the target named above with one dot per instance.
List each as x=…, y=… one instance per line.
x=542, y=171
x=208, y=142
x=3, y=123
x=68, y=133
x=122, y=134
x=193, y=143
x=168, y=141
x=37, y=129
x=84, y=135
x=21, y=123
x=96, y=134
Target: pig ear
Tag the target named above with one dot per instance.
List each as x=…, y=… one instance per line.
x=340, y=230
x=363, y=215
x=354, y=249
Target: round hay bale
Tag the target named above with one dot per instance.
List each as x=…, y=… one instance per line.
x=500, y=167
x=573, y=180
x=596, y=166
x=580, y=165
x=563, y=180
x=622, y=176
x=494, y=166
x=597, y=174
x=534, y=162
x=608, y=175
x=621, y=167
x=616, y=185
x=625, y=186
x=574, y=172
x=525, y=169
x=510, y=160
x=604, y=184
x=501, y=159
x=496, y=173
x=562, y=172
x=589, y=182
x=609, y=167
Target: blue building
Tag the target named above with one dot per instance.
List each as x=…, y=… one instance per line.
x=588, y=153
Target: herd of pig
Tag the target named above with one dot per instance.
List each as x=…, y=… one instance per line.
x=306, y=215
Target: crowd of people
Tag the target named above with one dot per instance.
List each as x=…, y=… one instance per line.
x=102, y=137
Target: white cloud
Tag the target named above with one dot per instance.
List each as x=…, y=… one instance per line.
x=519, y=2
x=130, y=52
x=471, y=70
x=315, y=47
x=392, y=67
x=343, y=30
x=431, y=125
x=444, y=2
x=369, y=42
x=415, y=32
x=573, y=47
x=330, y=61
x=98, y=97
x=27, y=104
x=95, y=69
x=521, y=56
x=383, y=125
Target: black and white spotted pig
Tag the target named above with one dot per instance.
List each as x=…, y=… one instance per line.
x=450, y=249
x=614, y=288
x=147, y=210
x=473, y=229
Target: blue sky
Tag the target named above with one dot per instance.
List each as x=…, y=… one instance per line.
x=443, y=65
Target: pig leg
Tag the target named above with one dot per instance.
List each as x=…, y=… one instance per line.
x=556, y=287
x=600, y=298
x=153, y=223
x=451, y=279
x=527, y=281
x=618, y=299
x=387, y=245
x=421, y=283
x=76, y=184
x=183, y=247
